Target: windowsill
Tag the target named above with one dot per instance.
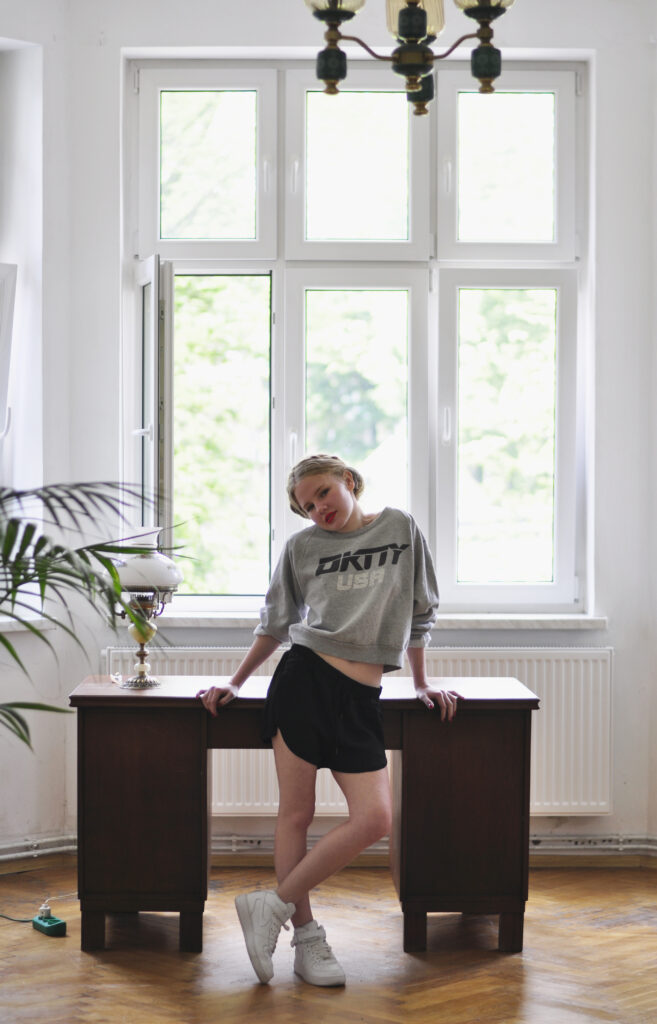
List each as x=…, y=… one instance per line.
x=520, y=620
x=11, y=626
x=199, y=619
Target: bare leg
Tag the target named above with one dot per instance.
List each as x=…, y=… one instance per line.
x=370, y=809
x=296, y=807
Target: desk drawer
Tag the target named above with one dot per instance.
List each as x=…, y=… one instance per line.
x=142, y=801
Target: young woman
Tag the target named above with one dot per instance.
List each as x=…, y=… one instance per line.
x=352, y=593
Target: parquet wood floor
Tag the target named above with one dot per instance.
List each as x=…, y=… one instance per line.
x=590, y=956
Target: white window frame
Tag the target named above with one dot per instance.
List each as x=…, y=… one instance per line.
x=8, y=276
x=149, y=435
x=432, y=334
x=563, y=83
x=297, y=247
x=151, y=83
x=290, y=412
x=562, y=593
x=169, y=270
x=133, y=361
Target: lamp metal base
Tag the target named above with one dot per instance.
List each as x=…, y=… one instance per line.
x=140, y=682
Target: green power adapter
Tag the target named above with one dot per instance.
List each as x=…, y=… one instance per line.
x=46, y=923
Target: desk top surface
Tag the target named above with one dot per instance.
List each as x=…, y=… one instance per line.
x=180, y=691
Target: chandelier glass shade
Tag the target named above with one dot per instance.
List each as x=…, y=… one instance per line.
x=340, y=9
x=434, y=10
x=469, y=5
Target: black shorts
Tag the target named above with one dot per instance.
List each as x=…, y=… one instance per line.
x=325, y=717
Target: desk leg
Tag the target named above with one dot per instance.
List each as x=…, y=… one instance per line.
x=191, y=931
x=415, y=931
x=92, y=930
x=511, y=932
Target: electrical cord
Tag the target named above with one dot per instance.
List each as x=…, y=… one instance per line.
x=46, y=902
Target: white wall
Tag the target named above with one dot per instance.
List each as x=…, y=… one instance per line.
x=652, y=787
x=37, y=801
x=21, y=242
x=82, y=43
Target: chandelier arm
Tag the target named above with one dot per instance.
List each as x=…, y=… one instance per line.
x=378, y=56
x=471, y=35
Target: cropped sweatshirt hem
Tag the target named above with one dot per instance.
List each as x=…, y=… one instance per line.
x=375, y=653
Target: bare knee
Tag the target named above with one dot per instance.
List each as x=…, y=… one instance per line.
x=384, y=821
x=377, y=823
x=296, y=816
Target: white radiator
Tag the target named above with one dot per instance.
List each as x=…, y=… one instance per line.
x=571, y=733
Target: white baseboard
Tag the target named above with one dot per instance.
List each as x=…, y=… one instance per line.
x=236, y=845
x=247, y=845
x=38, y=847
x=555, y=845
x=539, y=845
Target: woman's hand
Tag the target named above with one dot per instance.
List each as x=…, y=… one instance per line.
x=217, y=696
x=445, y=699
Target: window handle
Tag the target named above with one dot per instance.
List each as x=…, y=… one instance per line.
x=266, y=175
x=293, y=448
x=446, y=437
x=144, y=432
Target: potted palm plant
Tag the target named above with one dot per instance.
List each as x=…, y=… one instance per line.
x=40, y=576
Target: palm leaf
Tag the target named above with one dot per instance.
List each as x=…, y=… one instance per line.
x=9, y=539
x=74, y=504
x=25, y=621
x=4, y=642
x=37, y=572
x=16, y=723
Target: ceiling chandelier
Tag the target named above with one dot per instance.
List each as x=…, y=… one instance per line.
x=415, y=24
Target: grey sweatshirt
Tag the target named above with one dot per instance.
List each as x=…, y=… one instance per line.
x=366, y=595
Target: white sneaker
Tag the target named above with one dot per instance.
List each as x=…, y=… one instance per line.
x=313, y=957
x=262, y=915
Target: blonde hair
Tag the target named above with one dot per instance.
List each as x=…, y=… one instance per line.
x=314, y=465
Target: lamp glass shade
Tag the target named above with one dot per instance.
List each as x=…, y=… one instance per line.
x=466, y=5
x=153, y=571
x=434, y=10
x=341, y=5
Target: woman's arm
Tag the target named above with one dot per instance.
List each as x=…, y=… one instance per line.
x=216, y=696
x=446, y=699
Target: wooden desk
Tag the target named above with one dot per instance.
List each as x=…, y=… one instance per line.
x=460, y=838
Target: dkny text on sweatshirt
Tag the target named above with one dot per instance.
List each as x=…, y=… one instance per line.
x=365, y=596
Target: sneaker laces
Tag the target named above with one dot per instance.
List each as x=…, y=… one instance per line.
x=274, y=932
x=320, y=950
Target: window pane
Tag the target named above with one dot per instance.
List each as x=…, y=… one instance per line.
x=357, y=166
x=506, y=437
x=208, y=187
x=357, y=386
x=221, y=432
x=148, y=424
x=506, y=167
